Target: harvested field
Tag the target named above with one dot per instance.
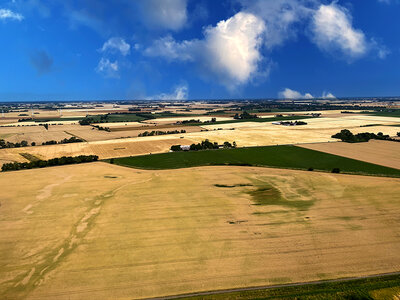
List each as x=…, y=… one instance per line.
x=37, y=134
x=99, y=231
x=383, y=153
x=103, y=149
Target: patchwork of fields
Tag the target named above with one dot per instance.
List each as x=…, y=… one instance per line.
x=103, y=231
x=124, y=137
x=186, y=222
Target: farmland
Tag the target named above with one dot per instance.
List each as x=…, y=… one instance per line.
x=272, y=156
x=383, y=153
x=65, y=227
x=148, y=223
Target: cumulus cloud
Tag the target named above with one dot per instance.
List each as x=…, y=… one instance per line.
x=10, y=15
x=41, y=61
x=164, y=14
x=116, y=44
x=327, y=95
x=232, y=48
x=107, y=68
x=181, y=93
x=333, y=31
x=292, y=94
x=230, y=51
x=280, y=16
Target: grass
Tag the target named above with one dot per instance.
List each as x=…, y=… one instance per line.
x=351, y=289
x=291, y=157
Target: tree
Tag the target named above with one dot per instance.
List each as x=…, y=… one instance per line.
x=176, y=148
x=398, y=134
x=33, y=144
x=227, y=145
x=335, y=170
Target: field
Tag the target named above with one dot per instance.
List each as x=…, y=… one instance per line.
x=383, y=153
x=100, y=231
x=274, y=156
x=103, y=149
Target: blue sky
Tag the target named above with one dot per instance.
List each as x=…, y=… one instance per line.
x=198, y=49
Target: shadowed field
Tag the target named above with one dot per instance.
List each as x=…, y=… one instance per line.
x=100, y=231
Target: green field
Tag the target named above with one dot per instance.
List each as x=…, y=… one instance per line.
x=291, y=157
x=382, y=287
x=391, y=113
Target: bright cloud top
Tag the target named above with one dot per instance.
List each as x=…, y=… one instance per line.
x=230, y=51
x=333, y=30
x=232, y=47
x=8, y=14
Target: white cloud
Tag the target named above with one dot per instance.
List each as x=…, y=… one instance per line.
x=230, y=51
x=170, y=49
x=279, y=17
x=232, y=48
x=333, y=31
x=108, y=68
x=164, y=14
x=327, y=95
x=116, y=44
x=292, y=94
x=180, y=93
x=8, y=14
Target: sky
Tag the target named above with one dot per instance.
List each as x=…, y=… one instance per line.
x=198, y=49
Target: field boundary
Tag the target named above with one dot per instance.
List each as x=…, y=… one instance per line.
x=276, y=286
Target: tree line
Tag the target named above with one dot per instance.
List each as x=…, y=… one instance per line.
x=72, y=139
x=5, y=144
x=158, y=132
x=347, y=136
x=204, y=145
x=59, y=161
x=244, y=116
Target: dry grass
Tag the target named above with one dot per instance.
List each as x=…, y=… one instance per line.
x=98, y=231
x=383, y=153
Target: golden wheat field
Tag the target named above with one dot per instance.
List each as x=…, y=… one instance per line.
x=383, y=153
x=100, y=231
x=103, y=149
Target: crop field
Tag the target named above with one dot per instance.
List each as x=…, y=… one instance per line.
x=37, y=134
x=101, y=231
x=383, y=153
x=291, y=157
x=103, y=149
